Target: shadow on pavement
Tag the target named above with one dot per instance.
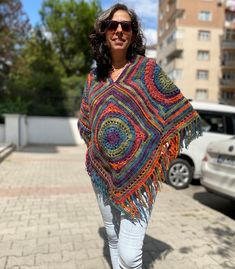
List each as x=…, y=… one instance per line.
x=225, y=241
x=216, y=202
x=153, y=250
x=40, y=149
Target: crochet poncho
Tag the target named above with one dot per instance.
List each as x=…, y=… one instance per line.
x=134, y=127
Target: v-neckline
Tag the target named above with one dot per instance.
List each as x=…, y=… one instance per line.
x=120, y=75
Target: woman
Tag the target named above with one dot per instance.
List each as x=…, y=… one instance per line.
x=134, y=121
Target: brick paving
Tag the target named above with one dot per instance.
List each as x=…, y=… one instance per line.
x=49, y=219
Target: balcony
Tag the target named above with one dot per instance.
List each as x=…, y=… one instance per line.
x=227, y=101
x=227, y=83
x=174, y=49
x=228, y=44
x=227, y=97
x=175, y=13
x=228, y=64
x=230, y=5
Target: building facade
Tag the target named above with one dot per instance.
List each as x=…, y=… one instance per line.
x=227, y=81
x=189, y=46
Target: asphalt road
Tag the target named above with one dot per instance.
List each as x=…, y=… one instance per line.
x=220, y=204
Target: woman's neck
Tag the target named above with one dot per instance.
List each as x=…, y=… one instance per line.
x=119, y=62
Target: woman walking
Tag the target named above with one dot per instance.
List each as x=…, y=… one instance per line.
x=134, y=121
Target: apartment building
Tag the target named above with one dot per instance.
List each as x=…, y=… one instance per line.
x=189, y=38
x=227, y=81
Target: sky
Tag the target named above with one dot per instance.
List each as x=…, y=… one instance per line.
x=145, y=9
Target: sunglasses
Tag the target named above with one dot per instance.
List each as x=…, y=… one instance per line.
x=113, y=25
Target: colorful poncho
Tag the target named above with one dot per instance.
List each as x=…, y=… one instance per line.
x=134, y=127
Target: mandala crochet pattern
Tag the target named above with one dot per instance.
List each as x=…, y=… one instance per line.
x=134, y=127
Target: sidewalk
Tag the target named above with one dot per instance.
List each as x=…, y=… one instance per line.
x=49, y=219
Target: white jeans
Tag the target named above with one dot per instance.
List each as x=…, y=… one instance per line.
x=125, y=237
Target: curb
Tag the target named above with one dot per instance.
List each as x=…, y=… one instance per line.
x=6, y=150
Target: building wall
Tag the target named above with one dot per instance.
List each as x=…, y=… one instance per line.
x=227, y=85
x=22, y=130
x=53, y=130
x=2, y=133
x=192, y=9
x=181, y=17
x=190, y=64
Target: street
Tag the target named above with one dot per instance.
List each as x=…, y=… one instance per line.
x=213, y=201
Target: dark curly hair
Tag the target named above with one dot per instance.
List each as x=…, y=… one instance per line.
x=98, y=43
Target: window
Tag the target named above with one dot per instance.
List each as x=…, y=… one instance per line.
x=228, y=95
x=203, y=55
x=228, y=57
x=230, y=34
x=175, y=74
x=177, y=34
x=168, y=8
x=205, y=16
x=204, y=35
x=202, y=74
x=229, y=75
x=230, y=16
x=230, y=124
x=201, y=94
x=212, y=122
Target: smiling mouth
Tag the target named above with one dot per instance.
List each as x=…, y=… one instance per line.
x=119, y=41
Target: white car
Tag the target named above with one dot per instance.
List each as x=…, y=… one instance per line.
x=218, y=123
x=218, y=168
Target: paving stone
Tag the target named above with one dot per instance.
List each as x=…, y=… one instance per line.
x=20, y=261
x=3, y=261
x=92, y=264
x=48, y=258
x=75, y=255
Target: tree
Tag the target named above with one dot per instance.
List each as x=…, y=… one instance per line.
x=51, y=64
x=69, y=24
x=14, y=29
x=38, y=81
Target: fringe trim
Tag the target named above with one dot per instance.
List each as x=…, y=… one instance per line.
x=137, y=204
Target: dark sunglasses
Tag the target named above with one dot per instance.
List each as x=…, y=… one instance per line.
x=113, y=25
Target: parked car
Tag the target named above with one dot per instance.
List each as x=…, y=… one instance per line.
x=218, y=122
x=218, y=168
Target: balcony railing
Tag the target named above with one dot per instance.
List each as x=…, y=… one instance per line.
x=228, y=44
x=175, y=14
x=174, y=48
x=227, y=83
x=227, y=101
x=228, y=64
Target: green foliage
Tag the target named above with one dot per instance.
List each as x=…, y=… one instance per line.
x=14, y=31
x=70, y=23
x=41, y=84
x=73, y=87
x=13, y=106
x=50, y=69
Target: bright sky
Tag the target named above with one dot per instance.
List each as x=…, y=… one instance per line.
x=145, y=9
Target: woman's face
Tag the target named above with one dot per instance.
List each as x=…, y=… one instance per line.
x=119, y=34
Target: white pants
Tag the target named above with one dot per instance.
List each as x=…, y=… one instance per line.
x=125, y=237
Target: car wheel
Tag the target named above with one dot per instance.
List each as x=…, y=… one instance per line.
x=179, y=174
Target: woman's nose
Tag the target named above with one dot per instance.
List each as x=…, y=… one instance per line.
x=119, y=28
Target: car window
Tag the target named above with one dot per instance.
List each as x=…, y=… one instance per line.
x=230, y=124
x=212, y=122
x=233, y=119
